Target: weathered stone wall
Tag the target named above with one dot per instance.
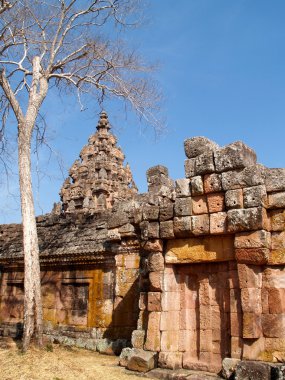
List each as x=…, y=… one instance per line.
x=197, y=266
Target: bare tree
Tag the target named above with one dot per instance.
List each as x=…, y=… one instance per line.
x=60, y=44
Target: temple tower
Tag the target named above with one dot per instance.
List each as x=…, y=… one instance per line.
x=99, y=177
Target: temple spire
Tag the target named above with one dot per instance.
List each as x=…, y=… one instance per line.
x=103, y=123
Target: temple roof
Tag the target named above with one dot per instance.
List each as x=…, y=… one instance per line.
x=99, y=177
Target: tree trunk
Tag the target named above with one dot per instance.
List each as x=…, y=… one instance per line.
x=33, y=320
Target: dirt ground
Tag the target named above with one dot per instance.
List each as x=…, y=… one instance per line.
x=60, y=363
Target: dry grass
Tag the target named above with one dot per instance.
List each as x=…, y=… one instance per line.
x=60, y=364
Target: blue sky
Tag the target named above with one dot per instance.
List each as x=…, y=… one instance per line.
x=222, y=72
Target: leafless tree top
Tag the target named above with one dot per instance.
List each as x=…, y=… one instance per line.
x=73, y=41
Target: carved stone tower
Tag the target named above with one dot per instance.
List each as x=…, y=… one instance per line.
x=99, y=177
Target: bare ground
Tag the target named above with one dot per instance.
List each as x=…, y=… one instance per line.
x=60, y=363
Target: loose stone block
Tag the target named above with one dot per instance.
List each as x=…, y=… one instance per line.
x=199, y=205
x=204, y=164
x=257, y=239
x=247, y=219
x=216, y=202
x=252, y=370
x=229, y=367
x=182, y=187
x=254, y=256
x=182, y=226
x=274, y=179
x=166, y=229
x=276, y=200
x=196, y=146
x=252, y=327
x=154, y=301
x=234, y=156
x=212, y=183
x=255, y=196
x=218, y=223
x=247, y=177
x=171, y=360
x=200, y=224
x=142, y=361
x=189, y=166
x=197, y=186
x=183, y=207
x=234, y=199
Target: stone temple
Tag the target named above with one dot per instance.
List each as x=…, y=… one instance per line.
x=188, y=275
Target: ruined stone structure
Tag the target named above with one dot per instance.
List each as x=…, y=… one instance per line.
x=188, y=274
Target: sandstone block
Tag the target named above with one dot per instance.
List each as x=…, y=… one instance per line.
x=249, y=219
x=182, y=226
x=204, y=164
x=169, y=320
x=235, y=300
x=234, y=199
x=170, y=301
x=186, y=337
x=155, y=245
x=249, y=276
x=169, y=340
x=273, y=325
x=200, y=224
x=276, y=200
x=156, y=281
x=150, y=212
x=154, y=301
x=246, y=370
x=143, y=301
x=188, y=319
x=196, y=186
x=276, y=300
x=254, y=256
x=273, y=277
x=198, y=145
x=236, y=347
x=247, y=177
x=257, y=239
x=255, y=196
x=234, y=156
x=216, y=202
x=157, y=170
x=152, y=342
x=182, y=187
x=171, y=282
x=278, y=240
x=275, y=180
x=236, y=324
x=253, y=349
x=251, y=300
x=277, y=220
x=183, y=207
x=165, y=209
x=212, y=183
x=142, y=361
x=218, y=223
x=252, y=327
x=171, y=360
x=199, y=205
x=166, y=229
x=155, y=262
x=138, y=337
x=189, y=166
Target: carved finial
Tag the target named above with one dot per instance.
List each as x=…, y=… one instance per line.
x=103, y=123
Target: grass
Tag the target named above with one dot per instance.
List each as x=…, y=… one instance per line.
x=59, y=363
